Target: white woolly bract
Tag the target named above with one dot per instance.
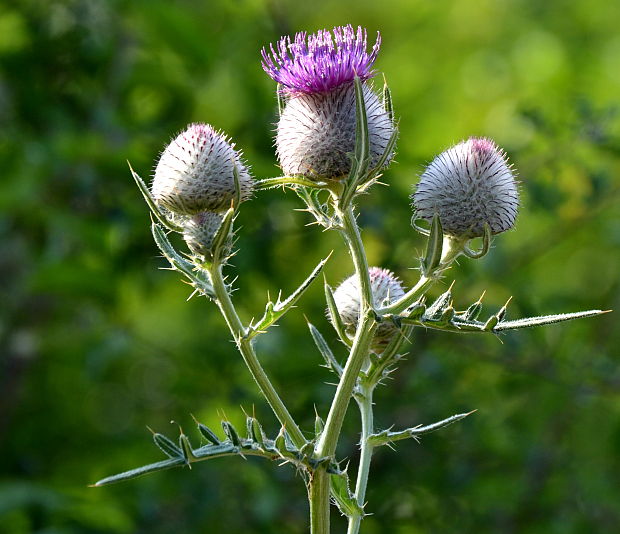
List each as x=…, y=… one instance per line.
x=468, y=185
x=386, y=288
x=316, y=132
x=195, y=172
x=199, y=231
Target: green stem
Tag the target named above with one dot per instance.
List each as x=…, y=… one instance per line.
x=326, y=447
x=351, y=234
x=318, y=495
x=249, y=356
x=359, y=352
x=361, y=343
x=366, y=411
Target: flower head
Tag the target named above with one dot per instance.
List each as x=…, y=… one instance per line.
x=195, y=172
x=469, y=185
x=319, y=63
x=386, y=288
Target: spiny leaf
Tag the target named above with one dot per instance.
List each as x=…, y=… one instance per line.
x=360, y=159
x=198, y=278
x=344, y=498
x=167, y=446
x=287, y=181
x=326, y=352
x=231, y=433
x=434, y=247
x=222, y=236
x=274, y=312
x=334, y=315
x=529, y=322
x=387, y=436
x=437, y=307
x=155, y=210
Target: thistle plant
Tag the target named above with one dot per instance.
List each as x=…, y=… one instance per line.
x=335, y=137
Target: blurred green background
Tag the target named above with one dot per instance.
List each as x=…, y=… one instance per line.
x=96, y=342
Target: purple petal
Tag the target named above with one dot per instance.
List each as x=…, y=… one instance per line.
x=320, y=62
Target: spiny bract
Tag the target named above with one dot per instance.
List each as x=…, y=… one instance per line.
x=469, y=185
x=195, y=172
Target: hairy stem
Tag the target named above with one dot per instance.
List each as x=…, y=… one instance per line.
x=318, y=495
x=364, y=400
x=249, y=356
x=351, y=234
x=359, y=352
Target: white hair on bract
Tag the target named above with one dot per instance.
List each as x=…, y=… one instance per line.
x=195, y=172
x=469, y=185
x=316, y=132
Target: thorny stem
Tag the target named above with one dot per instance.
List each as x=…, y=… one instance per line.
x=246, y=349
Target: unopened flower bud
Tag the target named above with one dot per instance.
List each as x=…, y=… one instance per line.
x=199, y=231
x=386, y=288
x=195, y=172
x=316, y=131
x=469, y=185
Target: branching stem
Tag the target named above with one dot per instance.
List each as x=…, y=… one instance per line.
x=248, y=353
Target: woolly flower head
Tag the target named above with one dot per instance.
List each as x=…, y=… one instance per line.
x=195, y=172
x=468, y=185
x=386, y=288
x=320, y=62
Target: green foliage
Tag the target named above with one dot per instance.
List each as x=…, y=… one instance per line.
x=96, y=343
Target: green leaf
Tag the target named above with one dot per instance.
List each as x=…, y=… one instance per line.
x=273, y=312
x=231, y=433
x=198, y=278
x=334, y=316
x=440, y=304
x=167, y=446
x=387, y=436
x=222, y=236
x=387, y=101
x=486, y=244
x=287, y=181
x=344, y=498
x=326, y=352
x=155, y=210
x=360, y=159
x=389, y=149
x=434, y=247
x=529, y=322
x=139, y=471
x=208, y=434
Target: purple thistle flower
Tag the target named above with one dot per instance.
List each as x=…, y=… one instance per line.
x=319, y=63
x=316, y=131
